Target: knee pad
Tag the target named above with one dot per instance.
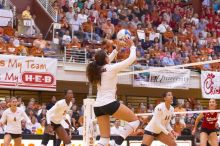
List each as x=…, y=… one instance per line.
x=45, y=140
x=129, y=128
x=103, y=141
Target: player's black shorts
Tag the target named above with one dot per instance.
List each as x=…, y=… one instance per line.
x=208, y=131
x=150, y=133
x=108, y=109
x=55, y=126
x=13, y=136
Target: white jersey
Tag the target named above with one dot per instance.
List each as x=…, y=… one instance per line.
x=63, y=122
x=58, y=112
x=160, y=121
x=13, y=120
x=107, y=90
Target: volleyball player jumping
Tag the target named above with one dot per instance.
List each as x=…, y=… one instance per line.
x=209, y=126
x=103, y=74
x=54, y=118
x=12, y=118
x=159, y=126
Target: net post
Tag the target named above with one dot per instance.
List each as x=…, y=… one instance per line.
x=89, y=130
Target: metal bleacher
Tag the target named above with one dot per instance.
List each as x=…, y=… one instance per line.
x=75, y=55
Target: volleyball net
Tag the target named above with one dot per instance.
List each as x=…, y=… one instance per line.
x=181, y=121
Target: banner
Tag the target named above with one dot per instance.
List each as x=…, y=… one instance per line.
x=210, y=84
x=162, y=78
x=36, y=142
x=22, y=72
x=158, y=143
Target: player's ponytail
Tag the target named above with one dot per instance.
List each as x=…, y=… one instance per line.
x=94, y=69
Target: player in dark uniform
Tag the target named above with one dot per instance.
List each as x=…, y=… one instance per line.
x=208, y=131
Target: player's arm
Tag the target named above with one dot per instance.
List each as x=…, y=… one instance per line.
x=3, y=119
x=25, y=117
x=52, y=110
x=169, y=128
x=67, y=121
x=113, y=55
x=158, y=114
x=198, y=119
x=171, y=131
x=127, y=62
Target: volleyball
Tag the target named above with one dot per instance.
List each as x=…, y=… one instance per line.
x=124, y=34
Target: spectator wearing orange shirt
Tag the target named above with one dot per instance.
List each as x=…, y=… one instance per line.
x=3, y=49
x=108, y=28
x=8, y=30
x=171, y=45
x=74, y=43
x=88, y=29
x=36, y=51
x=1, y=31
x=23, y=50
x=178, y=126
x=215, y=66
x=11, y=48
x=104, y=11
x=168, y=34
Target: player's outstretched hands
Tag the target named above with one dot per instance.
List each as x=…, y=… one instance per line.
x=129, y=42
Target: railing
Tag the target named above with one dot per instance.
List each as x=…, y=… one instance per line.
x=49, y=9
x=9, y=5
x=75, y=55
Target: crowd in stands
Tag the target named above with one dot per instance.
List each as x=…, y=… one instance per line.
x=37, y=113
x=14, y=43
x=173, y=34
x=166, y=32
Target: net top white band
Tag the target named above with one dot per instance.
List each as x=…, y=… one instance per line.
x=186, y=112
x=169, y=67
